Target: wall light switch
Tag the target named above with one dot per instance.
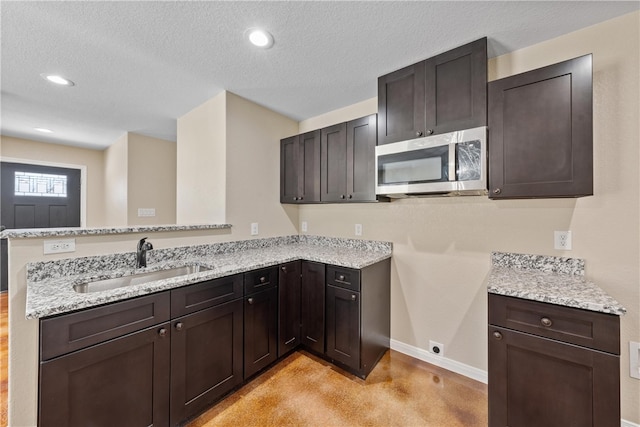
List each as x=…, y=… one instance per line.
x=59, y=246
x=146, y=212
x=358, y=229
x=634, y=359
x=304, y=226
x=254, y=228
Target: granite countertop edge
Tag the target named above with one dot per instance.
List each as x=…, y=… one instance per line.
x=550, y=286
x=56, y=296
x=100, y=231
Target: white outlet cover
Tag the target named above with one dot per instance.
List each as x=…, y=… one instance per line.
x=562, y=240
x=254, y=228
x=304, y=226
x=634, y=359
x=59, y=246
x=358, y=230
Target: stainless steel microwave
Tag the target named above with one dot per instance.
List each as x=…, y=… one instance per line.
x=453, y=163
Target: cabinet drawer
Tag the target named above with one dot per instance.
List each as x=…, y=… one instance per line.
x=258, y=280
x=341, y=277
x=586, y=328
x=190, y=299
x=70, y=332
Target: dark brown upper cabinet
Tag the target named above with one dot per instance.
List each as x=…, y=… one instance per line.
x=300, y=168
x=444, y=93
x=541, y=132
x=348, y=161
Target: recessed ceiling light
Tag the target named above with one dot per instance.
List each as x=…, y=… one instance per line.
x=44, y=130
x=260, y=38
x=59, y=80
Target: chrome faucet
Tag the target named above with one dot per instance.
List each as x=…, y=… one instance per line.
x=141, y=253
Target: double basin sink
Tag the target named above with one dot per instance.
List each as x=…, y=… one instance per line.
x=137, y=279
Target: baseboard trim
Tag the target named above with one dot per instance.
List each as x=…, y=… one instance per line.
x=443, y=362
x=626, y=423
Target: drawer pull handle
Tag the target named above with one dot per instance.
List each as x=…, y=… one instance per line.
x=546, y=322
x=263, y=279
x=497, y=335
x=162, y=332
x=250, y=300
x=341, y=278
x=179, y=326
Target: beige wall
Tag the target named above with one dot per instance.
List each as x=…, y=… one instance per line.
x=253, y=169
x=201, y=169
x=442, y=245
x=115, y=182
x=151, y=171
x=17, y=148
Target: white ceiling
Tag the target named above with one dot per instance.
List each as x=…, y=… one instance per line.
x=138, y=66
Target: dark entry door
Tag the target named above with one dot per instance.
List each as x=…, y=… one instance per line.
x=33, y=196
x=39, y=196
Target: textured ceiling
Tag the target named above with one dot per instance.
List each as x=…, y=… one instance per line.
x=138, y=66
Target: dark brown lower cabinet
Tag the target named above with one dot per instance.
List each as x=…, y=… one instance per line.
x=206, y=358
x=122, y=382
x=260, y=330
x=358, y=316
x=312, y=309
x=343, y=326
x=289, y=294
x=536, y=380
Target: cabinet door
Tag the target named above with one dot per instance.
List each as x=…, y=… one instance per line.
x=333, y=185
x=401, y=104
x=456, y=89
x=289, y=165
x=260, y=330
x=361, y=146
x=541, y=132
x=122, y=382
x=289, y=289
x=206, y=358
x=536, y=381
x=309, y=167
x=312, y=310
x=343, y=326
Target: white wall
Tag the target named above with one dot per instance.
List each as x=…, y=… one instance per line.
x=442, y=245
x=115, y=182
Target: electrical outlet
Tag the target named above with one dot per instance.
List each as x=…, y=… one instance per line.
x=358, y=229
x=304, y=226
x=146, y=212
x=436, y=348
x=634, y=359
x=59, y=246
x=562, y=240
x=254, y=228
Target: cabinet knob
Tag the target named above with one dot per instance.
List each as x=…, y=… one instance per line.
x=353, y=297
x=351, y=196
x=497, y=191
x=295, y=198
x=430, y=132
x=301, y=198
x=263, y=279
x=179, y=326
x=546, y=322
x=284, y=269
x=497, y=335
x=342, y=196
x=250, y=300
x=419, y=133
x=341, y=277
x=162, y=332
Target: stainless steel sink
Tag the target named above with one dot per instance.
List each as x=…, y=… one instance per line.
x=136, y=279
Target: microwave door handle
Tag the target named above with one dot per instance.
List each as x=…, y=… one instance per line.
x=452, y=162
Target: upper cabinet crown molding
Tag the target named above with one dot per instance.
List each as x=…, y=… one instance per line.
x=541, y=132
x=442, y=94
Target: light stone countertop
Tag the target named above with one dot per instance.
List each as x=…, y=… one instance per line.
x=553, y=280
x=50, y=284
x=84, y=231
